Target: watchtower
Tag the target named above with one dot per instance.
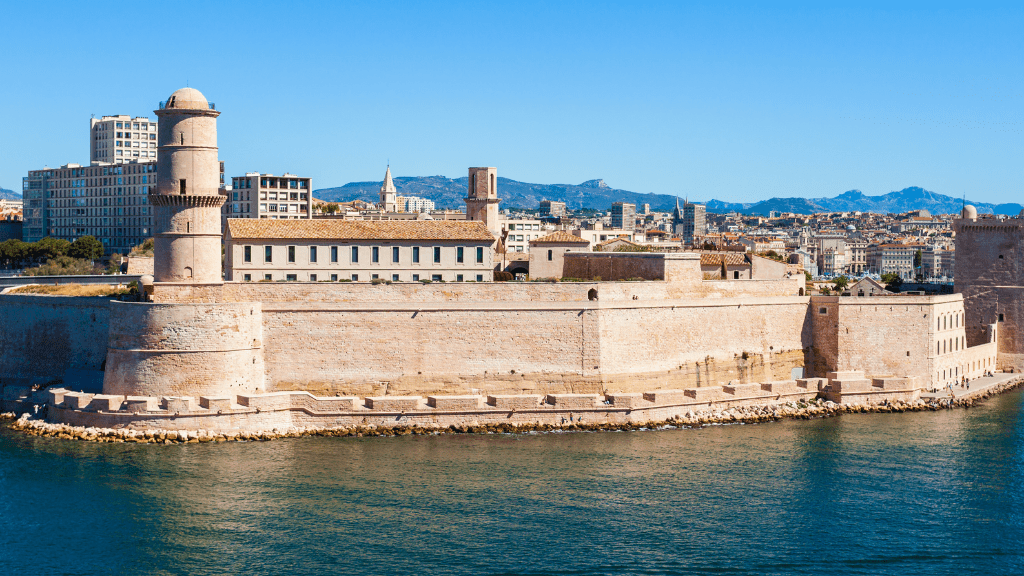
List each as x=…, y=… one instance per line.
x=187, y=201
x=482, y=199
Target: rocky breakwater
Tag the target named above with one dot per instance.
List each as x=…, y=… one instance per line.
x=691, y=418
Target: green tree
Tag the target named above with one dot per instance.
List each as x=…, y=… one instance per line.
x=892, y=281
x=917, y=260
x=49, y=248
x=841, y=283
x=86, y=248
x=62, y=266
x=807, y=276
x=13, y=252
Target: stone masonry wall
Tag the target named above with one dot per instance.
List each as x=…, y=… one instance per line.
x=41, y=337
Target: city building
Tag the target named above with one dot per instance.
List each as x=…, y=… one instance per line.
x=482, y=198
x=388, y=202
x=623, y=216
x=892, y=258
x=520, y=233
x=694, y=223
x=414, y=204
x=358, y=250
x=108, y=201
x=258, y=195
x=120, y=139
x=552, y=209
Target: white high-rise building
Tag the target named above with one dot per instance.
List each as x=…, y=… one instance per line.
x=120, y=139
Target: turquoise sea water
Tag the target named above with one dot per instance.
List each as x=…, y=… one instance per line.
x=922, y=493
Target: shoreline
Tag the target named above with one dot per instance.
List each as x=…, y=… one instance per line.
x=792, y=410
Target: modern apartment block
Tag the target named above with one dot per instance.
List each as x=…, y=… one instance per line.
x=623, y=216
x=695, y=225
x=120, y=139
x=108, y=201
x=552, y=208
x=521, y=233
x=257, y=195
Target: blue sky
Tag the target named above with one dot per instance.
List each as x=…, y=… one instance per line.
x=735, y=101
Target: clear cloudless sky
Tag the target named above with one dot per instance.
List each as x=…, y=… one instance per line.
x=735, y=101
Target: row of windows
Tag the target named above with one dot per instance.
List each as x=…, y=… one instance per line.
x=355, y=251
x=947, y=321
x=951, y=345
x=355, y=278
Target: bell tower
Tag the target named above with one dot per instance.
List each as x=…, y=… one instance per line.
x=482, y=200
x=187, y=201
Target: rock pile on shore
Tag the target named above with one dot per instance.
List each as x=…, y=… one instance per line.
x=691, y=419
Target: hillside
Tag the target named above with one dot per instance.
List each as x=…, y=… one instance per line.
x=595, y=194
x=6, y=194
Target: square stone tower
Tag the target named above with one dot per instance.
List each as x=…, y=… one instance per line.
x=482, y=200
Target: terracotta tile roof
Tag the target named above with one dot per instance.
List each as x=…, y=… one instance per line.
x=731, y=259
x=559, y=237
x=358, y=229
x=617, y=239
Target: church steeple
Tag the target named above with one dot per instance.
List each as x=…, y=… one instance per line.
x=387, y=193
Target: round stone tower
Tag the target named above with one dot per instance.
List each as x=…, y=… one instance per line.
x=187, y=203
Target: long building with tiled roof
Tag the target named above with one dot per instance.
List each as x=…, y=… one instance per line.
x=359, y=250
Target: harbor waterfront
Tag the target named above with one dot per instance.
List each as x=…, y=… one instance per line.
x=915, y=493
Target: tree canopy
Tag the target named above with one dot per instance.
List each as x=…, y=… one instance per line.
x=86, y=247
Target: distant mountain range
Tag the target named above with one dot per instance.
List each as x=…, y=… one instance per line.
x=6, y=194
x=595, y=194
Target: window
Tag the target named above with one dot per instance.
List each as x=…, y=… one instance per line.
x=248, y=253
x=479, y=277
x=436, y=277
x=375, y=254
x=1000, y=317
x=480, y=255
x=822, y=310
x=459, y=254
x=268, y=253
x=415, y=277
x=374, y=277
x=181, y=187
x=736, y=274
x=291, y=253
x=355, y=277
x=334, y=277
x=312, y=277
x=416, y=254
x=247, y=277
x=458, y=277
x=394, y=254
x=437, y=254
x=291, y=277
x=394, y=277
x=312, y=253
x=268, y=277
x=355, y=254
x=334, y=253
x=550, y=255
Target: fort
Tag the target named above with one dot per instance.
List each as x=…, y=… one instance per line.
x=640, y=336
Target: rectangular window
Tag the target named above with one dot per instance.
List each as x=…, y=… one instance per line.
x=458, y=277
x=355, y=277
x=268, y=253
x=415, y=254
x=248, y=253
x=247, y=277
x=355, y=254
x=479, y=277
x=334, y=277
x=394, y=254
x=394, y=277
x=480, y=256
x=312, y=277
x=291, y=277
x=822, y=310
x=312, y=253
x=437, y=254
x=415, y=277
x=268, y=277
x=459, y=253
x=375, y=254
x=436, y=277
x=334, y=253
x=291, y=253
x=373, y=276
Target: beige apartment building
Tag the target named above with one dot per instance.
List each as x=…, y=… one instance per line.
x=257, y=195
x=120, y=139
x=521, y=233
x=358, y=250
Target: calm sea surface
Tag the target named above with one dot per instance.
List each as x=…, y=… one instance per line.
x=927, y=493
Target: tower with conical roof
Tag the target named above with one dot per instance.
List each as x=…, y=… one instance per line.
x=387, y=193
x=186, y=203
